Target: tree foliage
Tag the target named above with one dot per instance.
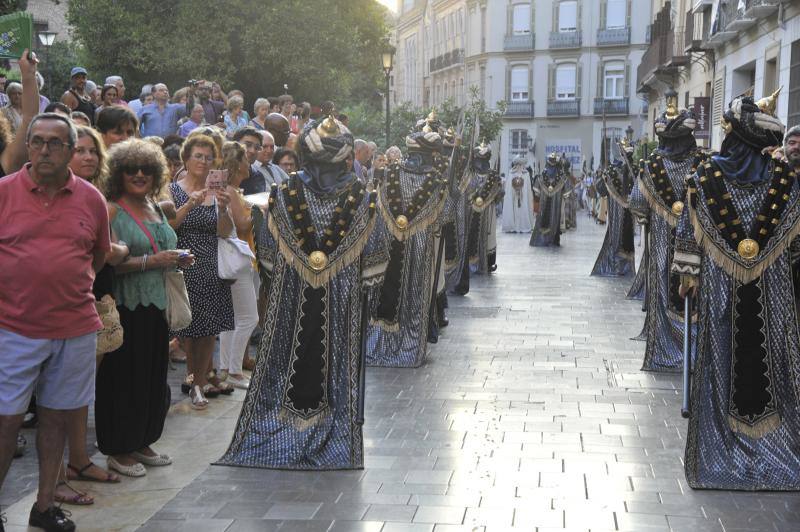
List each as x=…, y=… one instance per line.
x=368, y=123
x=322, y=49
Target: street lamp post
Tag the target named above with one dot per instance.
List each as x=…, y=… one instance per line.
x=387, y=60
x=629, y=132
x=46, y=38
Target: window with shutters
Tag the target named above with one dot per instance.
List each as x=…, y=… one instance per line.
x=794, y=86
x=614, y=80
x=519, y=143
x=519, y=84
x=521, y=19
x=568, y=16
x=718, y=97
x=616, y=17
x=565, y=82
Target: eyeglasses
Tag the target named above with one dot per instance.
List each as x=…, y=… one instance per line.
x=146, y=169
x=199, y=157
x=252, y=146
x=53, y=145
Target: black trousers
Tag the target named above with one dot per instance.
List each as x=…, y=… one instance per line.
x=131, y=393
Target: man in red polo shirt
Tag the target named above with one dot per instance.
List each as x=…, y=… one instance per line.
x=54, y=236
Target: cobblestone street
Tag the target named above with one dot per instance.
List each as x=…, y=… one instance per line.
x=531, y=414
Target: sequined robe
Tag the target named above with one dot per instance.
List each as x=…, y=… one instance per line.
x=550, y=186
x=744, y=429
x=456, y=231
x=482, y=239
x=664, y=320
x=400, y=308
x=302, y=408
x=616, y=257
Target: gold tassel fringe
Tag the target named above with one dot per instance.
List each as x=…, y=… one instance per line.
x=314, y=278
x=656, y=205
x=769, y=424
x=417, y=225
x=385, y=325
x=291, y=418
x=741, y=272
x=615, y=196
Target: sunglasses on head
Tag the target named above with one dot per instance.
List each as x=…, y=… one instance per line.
x=146, y=169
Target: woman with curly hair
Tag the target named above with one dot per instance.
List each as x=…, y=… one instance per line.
x=132, y=396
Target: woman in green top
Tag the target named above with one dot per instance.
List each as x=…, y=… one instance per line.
x=132, y=396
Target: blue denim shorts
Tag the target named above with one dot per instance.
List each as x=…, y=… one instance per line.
x=61, y=371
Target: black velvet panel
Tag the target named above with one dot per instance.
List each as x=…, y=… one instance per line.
x=392, y=282
x=306, y=390
x=750, y=391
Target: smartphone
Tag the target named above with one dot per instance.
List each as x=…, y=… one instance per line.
x=216, y=180
x=183, y=253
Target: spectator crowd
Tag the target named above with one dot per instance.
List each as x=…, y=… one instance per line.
x=113, y=212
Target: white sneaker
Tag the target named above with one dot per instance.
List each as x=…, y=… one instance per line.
x=242, y=383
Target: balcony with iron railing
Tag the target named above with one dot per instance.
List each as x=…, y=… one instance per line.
x=613, y=37
x=611, y=106
x=564, y=107
x=746, y=18
x=719, y=34
x=519, y=109
x=519, y=43
x=665, y=54
x=693, y=34
x=446, y=60
x=565, y=39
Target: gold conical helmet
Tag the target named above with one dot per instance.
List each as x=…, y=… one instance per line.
x=768, y=104
x=672, y=104
x=328, y=127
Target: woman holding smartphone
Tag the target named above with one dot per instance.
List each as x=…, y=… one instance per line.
x=201, y=216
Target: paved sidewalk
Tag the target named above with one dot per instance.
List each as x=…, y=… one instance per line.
x=531, y=414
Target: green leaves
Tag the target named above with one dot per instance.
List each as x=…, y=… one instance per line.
x=323, y=49
x=367, y=121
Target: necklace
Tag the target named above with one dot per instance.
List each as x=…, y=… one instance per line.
x=726, y=218
x=319, y=249
x=398, y=216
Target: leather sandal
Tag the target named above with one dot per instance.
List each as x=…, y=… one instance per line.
x=199, y=402
x=78, y=499
x=74, y=473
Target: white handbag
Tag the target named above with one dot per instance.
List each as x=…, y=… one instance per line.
x=234, y=257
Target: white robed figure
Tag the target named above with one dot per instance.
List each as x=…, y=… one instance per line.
x=518, y=201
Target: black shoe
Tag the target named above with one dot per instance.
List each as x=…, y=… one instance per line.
x=492, y=268
x=54, y=519
x=21, y=444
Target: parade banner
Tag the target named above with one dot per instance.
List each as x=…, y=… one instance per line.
x=16, y=34
x=572, y=149
x=702, y=112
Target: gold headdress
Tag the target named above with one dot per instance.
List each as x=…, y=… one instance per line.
x=769, y=103
x=328, y=127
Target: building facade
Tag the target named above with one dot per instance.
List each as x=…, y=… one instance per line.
x=565, y=68
x=711, y=51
